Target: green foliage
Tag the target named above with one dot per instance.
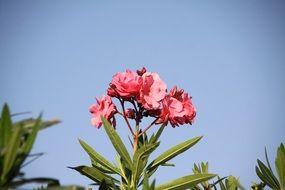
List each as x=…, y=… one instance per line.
x=259, y=186
x=58, y=187
x=117, y=143
x=171, y=153
x=132, y=172
x=99, y=161
x=146, y=185
x=16, y=142
x=230, y=183
x=225, y=183
x=185, y=182
x=280, y=165
x=202, y=168
x=266, y=174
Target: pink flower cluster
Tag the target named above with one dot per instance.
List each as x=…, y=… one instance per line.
x=148, y=93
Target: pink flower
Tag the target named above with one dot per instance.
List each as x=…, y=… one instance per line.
x=177, y=108
x=152, y=92
x=127, y=84
x=105, y=108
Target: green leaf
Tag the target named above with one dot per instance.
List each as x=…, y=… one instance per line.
x=103, y=186
x=125, y=172
x=168, y=164
x=155, y=137
x=29, y=123
x=98, y=158
x=152, y=185
x=32, y=136
x=233, y=183
x=101, y=168
x=280, y=164
x=185, y=182
x=205, y=167
x=222, y=185
x=26, y=145
x=145, y=182
x=267, y=161
x=11, y=152
x=146, y=185
x=196, y=169
x=258, y=186
x=171, y=153
x=270, y=178
x=95, y=174
x=42, y=180
x=117, y=142
x=72, y=187
x=139, y=159
x=201, y=169
x=5, y=126
x=263, y=177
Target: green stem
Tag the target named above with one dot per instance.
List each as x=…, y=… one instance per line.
x=145, y=130
x=126, y=119
x=136, y=139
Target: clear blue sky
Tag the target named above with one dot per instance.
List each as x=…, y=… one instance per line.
x=56, y=56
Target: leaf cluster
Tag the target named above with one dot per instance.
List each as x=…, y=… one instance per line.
x=266, y=174
x=225, y=183
x=132, y=172
x=16, y=142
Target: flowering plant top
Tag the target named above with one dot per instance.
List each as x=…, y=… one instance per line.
x=149, y=97
x=140, y=94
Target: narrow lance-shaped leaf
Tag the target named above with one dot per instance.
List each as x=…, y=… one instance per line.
x=100, y=167
x=138, y=159
x=280, y=164
x=152, y=185
x=222, y=186
x=103, y=186
x=29, y=123
x=60, y=187
x=117, y=142
x=172, y=152
x=185, y=182
x=98, y=158
x=155, y=137
x=168, y=164
x=94, y=174
x=263, y=177
x=11, y=152
x=216, y=182
x=267, y=160
x=31, y=139
x=5, y=126
x=49, y=181
x=233, y=183
x=145, y=182
x=269, y=176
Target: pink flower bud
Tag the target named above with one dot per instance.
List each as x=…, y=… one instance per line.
x=141, y=72
x=130, y=113
x=152, y=113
